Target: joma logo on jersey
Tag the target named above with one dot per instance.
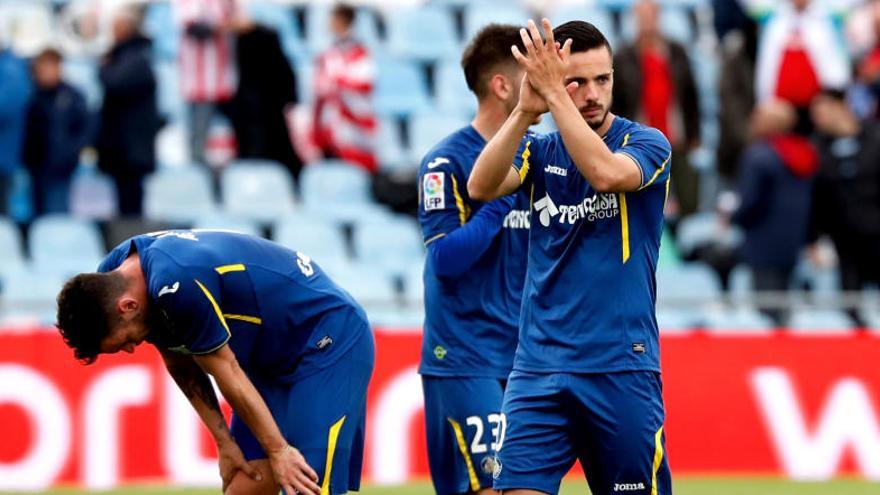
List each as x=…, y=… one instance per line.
x=517, y=219
x=628, y=487
x=553, y=169
x=596, y=207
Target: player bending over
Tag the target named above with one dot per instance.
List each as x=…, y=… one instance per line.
x=291, y=352
x=586, y=377
x=473, y=280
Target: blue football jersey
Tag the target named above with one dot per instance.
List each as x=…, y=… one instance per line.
x=470, y=321
x=270, y=304
x=590, y=292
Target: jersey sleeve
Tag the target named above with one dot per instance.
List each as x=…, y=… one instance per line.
x=529, y=153
x=115, y=257
x=442, y=207
x=190, y=299
x=651, y=151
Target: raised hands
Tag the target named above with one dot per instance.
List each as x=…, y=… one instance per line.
x=545, y=62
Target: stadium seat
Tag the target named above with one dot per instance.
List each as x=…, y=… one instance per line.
x=322, y=241
x=319, y=37
x=389, y=148
x=428, y=129
x=218, y=221
x=29, y=296
x=478, y=15
x=599, y=17
x=820, y=321
x=180, y=195
x=161, y=26
x=700, y=229
x=169, y=96
x=63, y=245
x=390, y=244
x=370, y=286
x=739, y=320
x=334, y=182
x=693, y=281
x=453, y=94
x=414, y=284
x=92, y=194
x=11, y=252
x=424, y=33
x=258, y=190
x=82, y=73
x=401, y=87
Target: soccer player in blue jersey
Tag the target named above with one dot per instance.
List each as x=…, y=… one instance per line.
x=586, y=377
x=473, y=276
x=290, y=351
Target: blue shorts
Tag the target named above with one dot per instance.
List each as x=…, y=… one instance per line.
x=322, y=414
x=611, y=422
x=464, y=425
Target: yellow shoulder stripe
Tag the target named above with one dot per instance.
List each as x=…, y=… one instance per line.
x=625, y=140
x=462, y=446
x=463, y=210
x=658, y=172
x=332, y=438
x=230, y=268
x=214, y=305
x=246, y=318
x=524, y=169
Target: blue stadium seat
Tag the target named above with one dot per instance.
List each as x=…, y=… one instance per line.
x=319, y=37
x=700, y=229
x=322, y=241
x=28, y=295
x=478, y=15
x=820, y=321
x=739, y=320
x=178, y=195
x=218, y=221
x=692, y=281
x=305, y=73
x=389, y=146
x=92, y=194
x=414, y=284
x=11, y=253
x=390, y=244
x=677, y=320
x=424, y=33
x=401, y=88
x=169, y=96
x=258, y=190
x=64, y=245
x=427, y=129
x=369, y=285
x=161, y=26
x=82, y=73
x=599, y=17
x=333, y=182
x=453, y=94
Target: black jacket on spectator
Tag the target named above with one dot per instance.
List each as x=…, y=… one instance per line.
x=774, y=209
x=628, y=87
x=846, y=203
x=129, y=121
x=266, y=86
x=58, y=126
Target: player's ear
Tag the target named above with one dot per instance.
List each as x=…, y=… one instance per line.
x=501, y=86
x=127, y=305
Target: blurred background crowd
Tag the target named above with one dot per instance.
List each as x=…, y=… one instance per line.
x=305, y=122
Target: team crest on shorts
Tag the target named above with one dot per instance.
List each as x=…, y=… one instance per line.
x=488, y=465
x=496, y=469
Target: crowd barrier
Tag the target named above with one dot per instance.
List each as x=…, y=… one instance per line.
x=789, y=405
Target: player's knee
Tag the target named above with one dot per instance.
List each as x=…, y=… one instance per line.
x=488, y=491
x=242, y=484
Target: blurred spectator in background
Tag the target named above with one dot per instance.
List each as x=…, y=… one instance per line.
x=775, y=184
x=868, y=70
x=846, y=200
x=206, y=63
x=266, y=93
x=57, y=131
x=129, y=116
x=15, y=90
x=654, y=84
x=344, y=122
x=800, y=52
x=736, y=88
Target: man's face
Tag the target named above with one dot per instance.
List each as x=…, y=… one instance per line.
x=592, y=70
x=47, y=72
x=646, y=13
x=125, y=336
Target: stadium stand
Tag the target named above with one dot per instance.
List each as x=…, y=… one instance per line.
x=258, y=190
x=423, y=34
x=63, y=245
x=180, y=195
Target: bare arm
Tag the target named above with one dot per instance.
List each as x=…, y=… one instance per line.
x=493, y=174
x=288, y=465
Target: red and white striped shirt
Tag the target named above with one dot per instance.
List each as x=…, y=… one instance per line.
x=206, y=66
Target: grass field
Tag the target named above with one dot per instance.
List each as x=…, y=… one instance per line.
x=685, y=486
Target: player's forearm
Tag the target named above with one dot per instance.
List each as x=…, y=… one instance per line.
x=492, y=167
x=602, y=168
x=197, y=387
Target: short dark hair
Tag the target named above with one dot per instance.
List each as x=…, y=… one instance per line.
x=86, y=311
x=489, y=49
x=584, y=36
x=345, y=12
x=49, y=53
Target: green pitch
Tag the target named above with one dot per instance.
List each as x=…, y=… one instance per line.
x=685, y=486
